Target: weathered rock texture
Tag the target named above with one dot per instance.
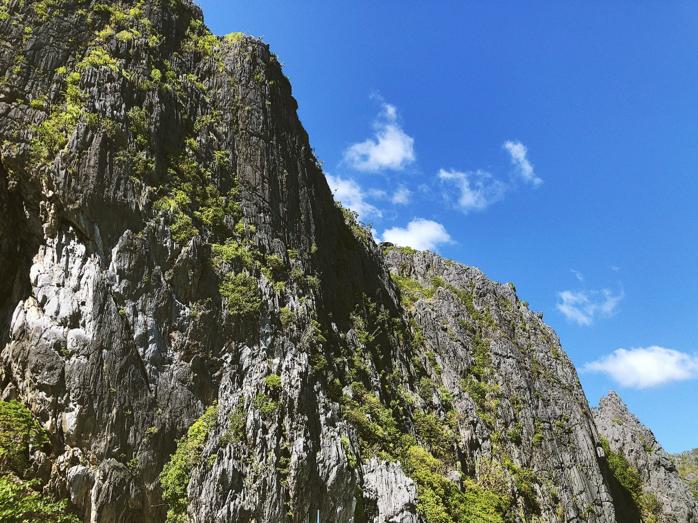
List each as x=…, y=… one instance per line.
x=174, y=266
x=628, y=436
x=687, y=465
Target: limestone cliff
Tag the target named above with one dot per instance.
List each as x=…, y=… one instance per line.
x=201, y=334
x=659, y=489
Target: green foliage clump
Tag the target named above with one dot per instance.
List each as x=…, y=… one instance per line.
x=233, y=37
x=313, y=341
x=264, y=404
x=20, y=434
x=98, y=57
x=625, y=473
x=435, y=434
x=237, y=423
x=182, y=227
x=360, y=232
x=374, y=422
x=484, y=394
x=273, y=382
x=286, y=316
x=232, y=253
x=241, y=294
x=524, y=480
x=630, y=479
x=20, y=504
x=411, y=290
x=440, y=500
x=200, y=40
x=51, y=135
x=275, y=262
x=687, y=465
x=175, y=475
x=352, y=460
x=403, y=250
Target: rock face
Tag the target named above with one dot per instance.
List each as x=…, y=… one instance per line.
x=206, y=336
x=687, y=465
x=636, y=443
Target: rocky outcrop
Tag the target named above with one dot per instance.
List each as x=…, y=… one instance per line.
x=390, y=491
x=516, y=392
x=205, y=335
x=627, y=436
x=687, y=466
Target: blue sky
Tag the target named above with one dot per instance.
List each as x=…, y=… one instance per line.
x=552, y=144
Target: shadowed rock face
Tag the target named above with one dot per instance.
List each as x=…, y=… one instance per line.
x=177, y=268
x=629, y=437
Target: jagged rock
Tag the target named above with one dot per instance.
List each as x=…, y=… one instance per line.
x=393, y=493
x=182, y=296
x=628, y=436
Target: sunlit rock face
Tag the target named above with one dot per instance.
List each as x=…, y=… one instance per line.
x=205, y=335
x=666, y=496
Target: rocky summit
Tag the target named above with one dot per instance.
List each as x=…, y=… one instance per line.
x=191, y=329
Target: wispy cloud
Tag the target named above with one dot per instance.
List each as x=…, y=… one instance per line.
x=401, y=196
x=577, y=274
x=520, y=161
x=351, y=195
x=419, y=234
x=583, y=307
x=389, y=149
x=477, y=190
x=645, y=367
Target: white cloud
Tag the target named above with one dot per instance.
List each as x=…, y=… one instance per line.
x=401, y=196
x=350, y=194
x=390, y=148
x=477, y=189
x=419, y=234
x=519, y=158
x=582, y=307
x=645, y=367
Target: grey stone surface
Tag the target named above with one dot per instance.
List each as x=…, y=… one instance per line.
x=116, y=333
x=394, y=493
x=628, y=436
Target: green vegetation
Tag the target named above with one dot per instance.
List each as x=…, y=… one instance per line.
x=377, y=428
x=411, y=290
x=630, y=480
x=403, y=250
x=52, y=134
x=314, y=340
x=625, y=473
x=233, y=37
x=351, y=457
x=200, y=40
x=20, y=504
x=98, y=57
x=687, y=465
x=232, y=253
x=20, y=501
x=360, y=231
x=286, y=316
x=435, y=434
x=241, y=294
x=441, y=501
x=237, y=423
x=273, y=382
x=20, y=434
x=175, y=475
x=264, y=404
